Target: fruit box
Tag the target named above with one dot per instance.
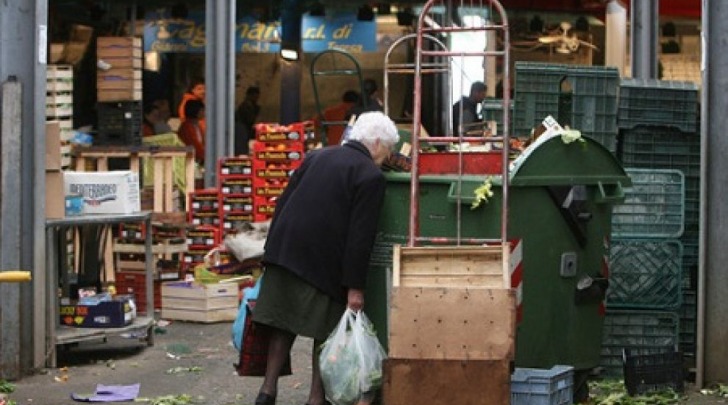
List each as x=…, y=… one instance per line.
x=116, y=313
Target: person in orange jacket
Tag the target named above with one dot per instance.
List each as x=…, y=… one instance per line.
x=191, y=132
x=196, y=91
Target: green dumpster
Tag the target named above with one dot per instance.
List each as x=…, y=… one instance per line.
x=561, y=199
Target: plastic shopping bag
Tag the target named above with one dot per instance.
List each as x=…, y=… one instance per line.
x=351, y=360
x=250, y=293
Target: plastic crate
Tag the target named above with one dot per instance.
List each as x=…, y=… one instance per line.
x=688, y=322
x=660, y=147
x=584, y=98
x=532, y=386
x=493, y=111
x=653, y=370
x=658, y=102
x=635, y=329
x=119, y=123
x=653, y=206
x=645, y=274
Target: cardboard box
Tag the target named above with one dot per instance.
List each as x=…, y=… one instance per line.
x=53, y=145
x=119, y=312
x=55, y=201
x=189, y=301
x=113, y=192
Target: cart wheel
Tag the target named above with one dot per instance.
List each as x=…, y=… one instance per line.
x=581, y=386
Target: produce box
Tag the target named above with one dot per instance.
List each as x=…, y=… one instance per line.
x=117, y=313
x=190, y=301
x=114, y=192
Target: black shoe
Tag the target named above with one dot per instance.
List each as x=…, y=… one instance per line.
x=265, y=399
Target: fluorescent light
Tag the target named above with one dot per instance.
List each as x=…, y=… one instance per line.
x=289, y=54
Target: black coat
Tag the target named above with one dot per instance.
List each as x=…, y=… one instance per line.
x=325, y=221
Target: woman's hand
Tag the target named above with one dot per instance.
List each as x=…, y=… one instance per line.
x=355, y=299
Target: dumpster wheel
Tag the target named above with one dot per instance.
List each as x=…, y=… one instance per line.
x=581, y=386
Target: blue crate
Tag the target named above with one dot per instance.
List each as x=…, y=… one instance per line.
x=532, y=386
x=645, y=274
x=653, y=207
x=658, y=102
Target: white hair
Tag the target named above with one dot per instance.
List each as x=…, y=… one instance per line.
x=374, y=125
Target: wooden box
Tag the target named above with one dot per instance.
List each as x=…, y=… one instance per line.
x=451, y=266
x=473, y=382
x=189, y=301
x=119, y=95
x=452, y=323
x=119, y=79
x=114, y=47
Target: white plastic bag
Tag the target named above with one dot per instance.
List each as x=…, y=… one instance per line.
x=351, y=360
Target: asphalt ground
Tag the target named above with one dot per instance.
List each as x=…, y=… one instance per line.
x=187, y=358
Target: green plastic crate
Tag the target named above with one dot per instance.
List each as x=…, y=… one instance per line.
x=658, y=102
x=645, y=274
x=661, y=147
x=653, y=207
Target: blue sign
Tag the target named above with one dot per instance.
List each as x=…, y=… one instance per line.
x=340, y=31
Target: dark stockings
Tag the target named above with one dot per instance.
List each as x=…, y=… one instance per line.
x=316, y=395
x=279, y=348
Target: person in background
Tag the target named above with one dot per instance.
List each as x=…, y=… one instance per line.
x=245, y=118
x=469, y=106
x=196, y=91
x=190, y=131
x=373, y=103
x=155, y=118
x=161, y=126
x=337, y=192
x=336, y=116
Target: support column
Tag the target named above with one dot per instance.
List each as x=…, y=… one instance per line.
x=712, y=334
x=645, y=25
x=290, y=93
x=616, y=42
x=220, y=84
x=23, y=58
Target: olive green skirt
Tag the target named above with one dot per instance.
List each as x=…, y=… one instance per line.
x=288, y=302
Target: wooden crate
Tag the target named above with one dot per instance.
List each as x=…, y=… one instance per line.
x=110, y=47
x=451, y=266
x=119, y=79
x=474, y=382
x=187, y=301
x=452, y=323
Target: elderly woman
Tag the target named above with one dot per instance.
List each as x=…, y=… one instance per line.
x=318, y=247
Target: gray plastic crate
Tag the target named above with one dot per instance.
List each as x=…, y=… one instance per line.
x=658, y=102
x=645, y=274
x=653, y=206
x=533, y=386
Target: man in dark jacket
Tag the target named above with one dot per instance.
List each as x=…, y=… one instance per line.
x=465, y=111
x=319, y=243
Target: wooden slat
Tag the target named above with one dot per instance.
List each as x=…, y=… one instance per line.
x=452, y=323
x=454, y=266
x=474, y=382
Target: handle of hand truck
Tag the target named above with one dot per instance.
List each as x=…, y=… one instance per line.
x=14, y=276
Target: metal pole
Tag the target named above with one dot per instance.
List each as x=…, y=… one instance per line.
x=644, y=22
x=220, y=83
x=712, y=277
x=290, y=92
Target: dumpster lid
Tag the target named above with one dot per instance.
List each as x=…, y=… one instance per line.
x=552, y=161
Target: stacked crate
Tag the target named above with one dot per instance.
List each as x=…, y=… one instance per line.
x=204, y=220
x=659, y=129
x=645, y=266
x=581, y=97
x=277, y=152
x=168, y=244
x=119, y=86
x=236, y=193
x=122, y=80
x=59, y=106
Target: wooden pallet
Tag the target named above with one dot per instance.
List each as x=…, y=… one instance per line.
x=161, y=157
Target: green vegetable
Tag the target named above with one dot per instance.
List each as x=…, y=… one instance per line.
x=6, y=387
x=182, y=399
x=482, y=193
x=613, y=392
